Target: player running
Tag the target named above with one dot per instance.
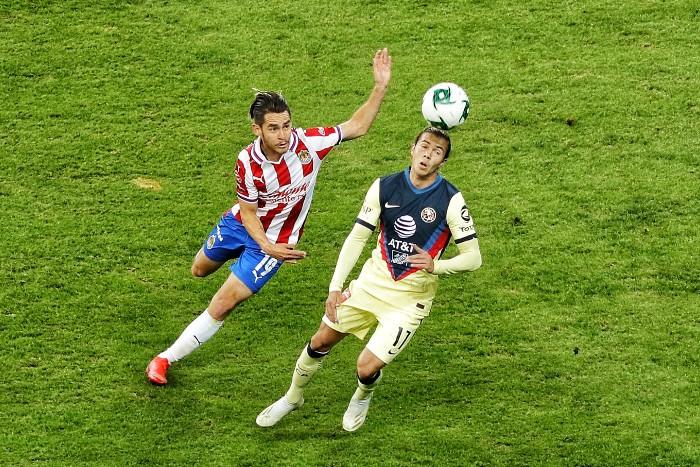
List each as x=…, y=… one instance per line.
x=275, y=180
x=417, y=211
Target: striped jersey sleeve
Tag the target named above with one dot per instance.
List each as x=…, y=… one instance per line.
x=246, y=188
x=321, y=140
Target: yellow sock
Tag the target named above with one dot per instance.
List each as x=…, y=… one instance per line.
x=304, y=370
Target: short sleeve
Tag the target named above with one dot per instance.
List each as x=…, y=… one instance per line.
x=322, y=139
x=245, y=187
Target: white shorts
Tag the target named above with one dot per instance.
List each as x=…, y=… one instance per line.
x=396, y=322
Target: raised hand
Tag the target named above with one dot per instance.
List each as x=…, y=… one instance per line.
x=382, y=67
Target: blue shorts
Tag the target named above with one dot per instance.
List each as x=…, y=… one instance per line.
x=230, y=240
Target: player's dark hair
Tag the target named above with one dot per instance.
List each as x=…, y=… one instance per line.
x=440, y=134
x=267, y=102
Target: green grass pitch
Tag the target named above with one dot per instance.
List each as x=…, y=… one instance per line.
x=575, y=344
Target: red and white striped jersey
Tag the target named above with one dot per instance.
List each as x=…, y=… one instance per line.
x=283, y=189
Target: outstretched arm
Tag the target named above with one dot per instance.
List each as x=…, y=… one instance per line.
x=361, y=121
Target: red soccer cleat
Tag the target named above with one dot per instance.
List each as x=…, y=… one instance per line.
x=157, y=371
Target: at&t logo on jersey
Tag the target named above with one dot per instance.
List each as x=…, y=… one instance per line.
x=399, y=251
x=405, y=226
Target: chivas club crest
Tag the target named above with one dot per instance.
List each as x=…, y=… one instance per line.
x=304, y=157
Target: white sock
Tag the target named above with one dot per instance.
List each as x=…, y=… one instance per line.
x=304, y=370
x=364, y=391
x=197, y=333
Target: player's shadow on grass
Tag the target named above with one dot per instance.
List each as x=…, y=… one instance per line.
x=303, y=433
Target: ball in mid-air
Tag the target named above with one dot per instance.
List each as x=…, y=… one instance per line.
x=445, y=105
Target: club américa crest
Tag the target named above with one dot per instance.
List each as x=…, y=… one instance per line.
x=428, y=215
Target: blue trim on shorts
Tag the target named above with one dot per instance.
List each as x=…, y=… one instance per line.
x=229, y=240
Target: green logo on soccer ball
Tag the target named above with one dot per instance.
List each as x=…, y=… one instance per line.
x=442, y=97
x=465, y=112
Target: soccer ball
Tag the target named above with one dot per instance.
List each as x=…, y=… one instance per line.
x=445, y=106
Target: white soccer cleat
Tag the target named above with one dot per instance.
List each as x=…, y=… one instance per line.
x=356, y=414
x=276, y=412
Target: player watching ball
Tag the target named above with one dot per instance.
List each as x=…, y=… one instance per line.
x=275, y=180
x=418, y=211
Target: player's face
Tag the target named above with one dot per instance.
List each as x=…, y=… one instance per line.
x=428, y=155
x=274, y=133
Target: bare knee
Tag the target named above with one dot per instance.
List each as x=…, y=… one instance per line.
x=203, y=266
x=198, y=271
x=222, y=305
x=368, y=365
x=228, y=297
x=365, y=371
x=325, y=338
x=319, y=345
